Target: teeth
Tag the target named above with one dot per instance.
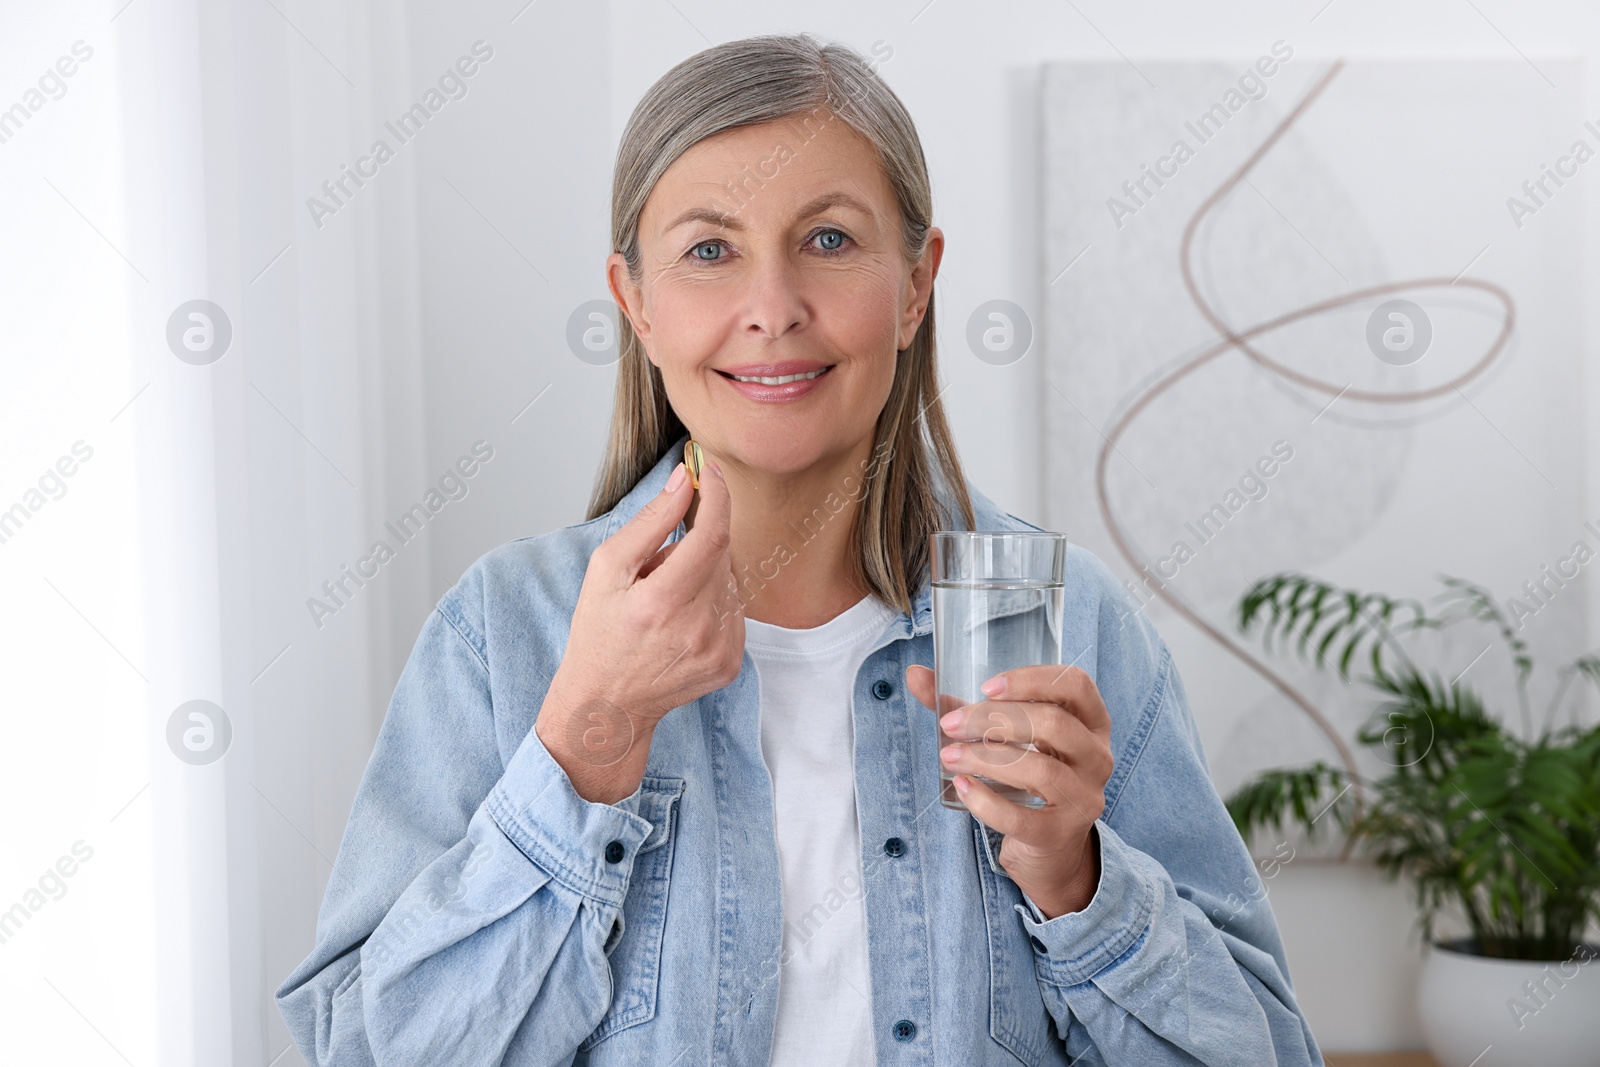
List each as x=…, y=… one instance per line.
x=780, y=381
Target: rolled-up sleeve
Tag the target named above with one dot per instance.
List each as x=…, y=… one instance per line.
x=1177, y=958
x=469, y=910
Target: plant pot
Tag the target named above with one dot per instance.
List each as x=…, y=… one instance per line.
x=1482, y=1012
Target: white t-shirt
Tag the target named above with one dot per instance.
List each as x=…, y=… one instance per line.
x=808, y=742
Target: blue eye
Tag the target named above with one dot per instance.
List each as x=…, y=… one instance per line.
x=707, y=244
x=832, y=249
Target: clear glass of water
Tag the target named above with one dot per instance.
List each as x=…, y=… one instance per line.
x=998, y=598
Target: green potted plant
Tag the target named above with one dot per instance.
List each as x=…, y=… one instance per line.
x=1499, y=827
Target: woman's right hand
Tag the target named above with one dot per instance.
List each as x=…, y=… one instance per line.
x=654, y=628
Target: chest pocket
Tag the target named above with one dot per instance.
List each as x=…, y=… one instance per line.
x=634, y=948
x=1018, y=1020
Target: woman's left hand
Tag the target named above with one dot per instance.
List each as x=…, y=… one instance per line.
x=1050, y=852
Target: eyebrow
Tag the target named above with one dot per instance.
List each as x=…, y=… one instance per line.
x=729, y=220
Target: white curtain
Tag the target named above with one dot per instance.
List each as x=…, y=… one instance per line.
x=176, y=167
x=264, y=471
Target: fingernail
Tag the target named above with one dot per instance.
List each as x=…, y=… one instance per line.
x=678, y=475
x=713, y=465
x=962, y=785
x=994, y=686
x=950, y=720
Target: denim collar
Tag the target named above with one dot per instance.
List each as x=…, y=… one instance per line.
x=985, y=514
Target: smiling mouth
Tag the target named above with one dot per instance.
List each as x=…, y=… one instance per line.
x=781, y=379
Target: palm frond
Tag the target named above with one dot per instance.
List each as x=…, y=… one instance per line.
x=1425, y=723
x=1290, y=795
x=1468, y=600
x=1589, y=667
x=1290, y=606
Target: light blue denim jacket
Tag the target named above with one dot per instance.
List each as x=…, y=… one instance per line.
x=480, y=911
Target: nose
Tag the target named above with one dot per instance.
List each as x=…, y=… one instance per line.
x=775, y=303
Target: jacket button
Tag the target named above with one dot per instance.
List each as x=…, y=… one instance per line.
x=614, y=852
x=905, y=1030
x=894, y=846
x=882, y=689
x=1037, y=943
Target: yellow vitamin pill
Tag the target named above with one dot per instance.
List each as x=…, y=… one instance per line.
x=693, y=459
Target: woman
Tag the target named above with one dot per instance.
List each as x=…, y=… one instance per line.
x=653, y=788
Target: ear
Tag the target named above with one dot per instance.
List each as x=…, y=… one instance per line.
x=630, y=299
x=919, y=288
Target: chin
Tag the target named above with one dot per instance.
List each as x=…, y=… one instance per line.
x=760, y=450
x=792, y=451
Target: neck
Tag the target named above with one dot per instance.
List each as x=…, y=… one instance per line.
x=790, y=538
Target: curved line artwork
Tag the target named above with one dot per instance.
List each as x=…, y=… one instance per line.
x=1241, y=341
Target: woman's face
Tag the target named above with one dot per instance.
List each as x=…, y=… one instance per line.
x=768, y=254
